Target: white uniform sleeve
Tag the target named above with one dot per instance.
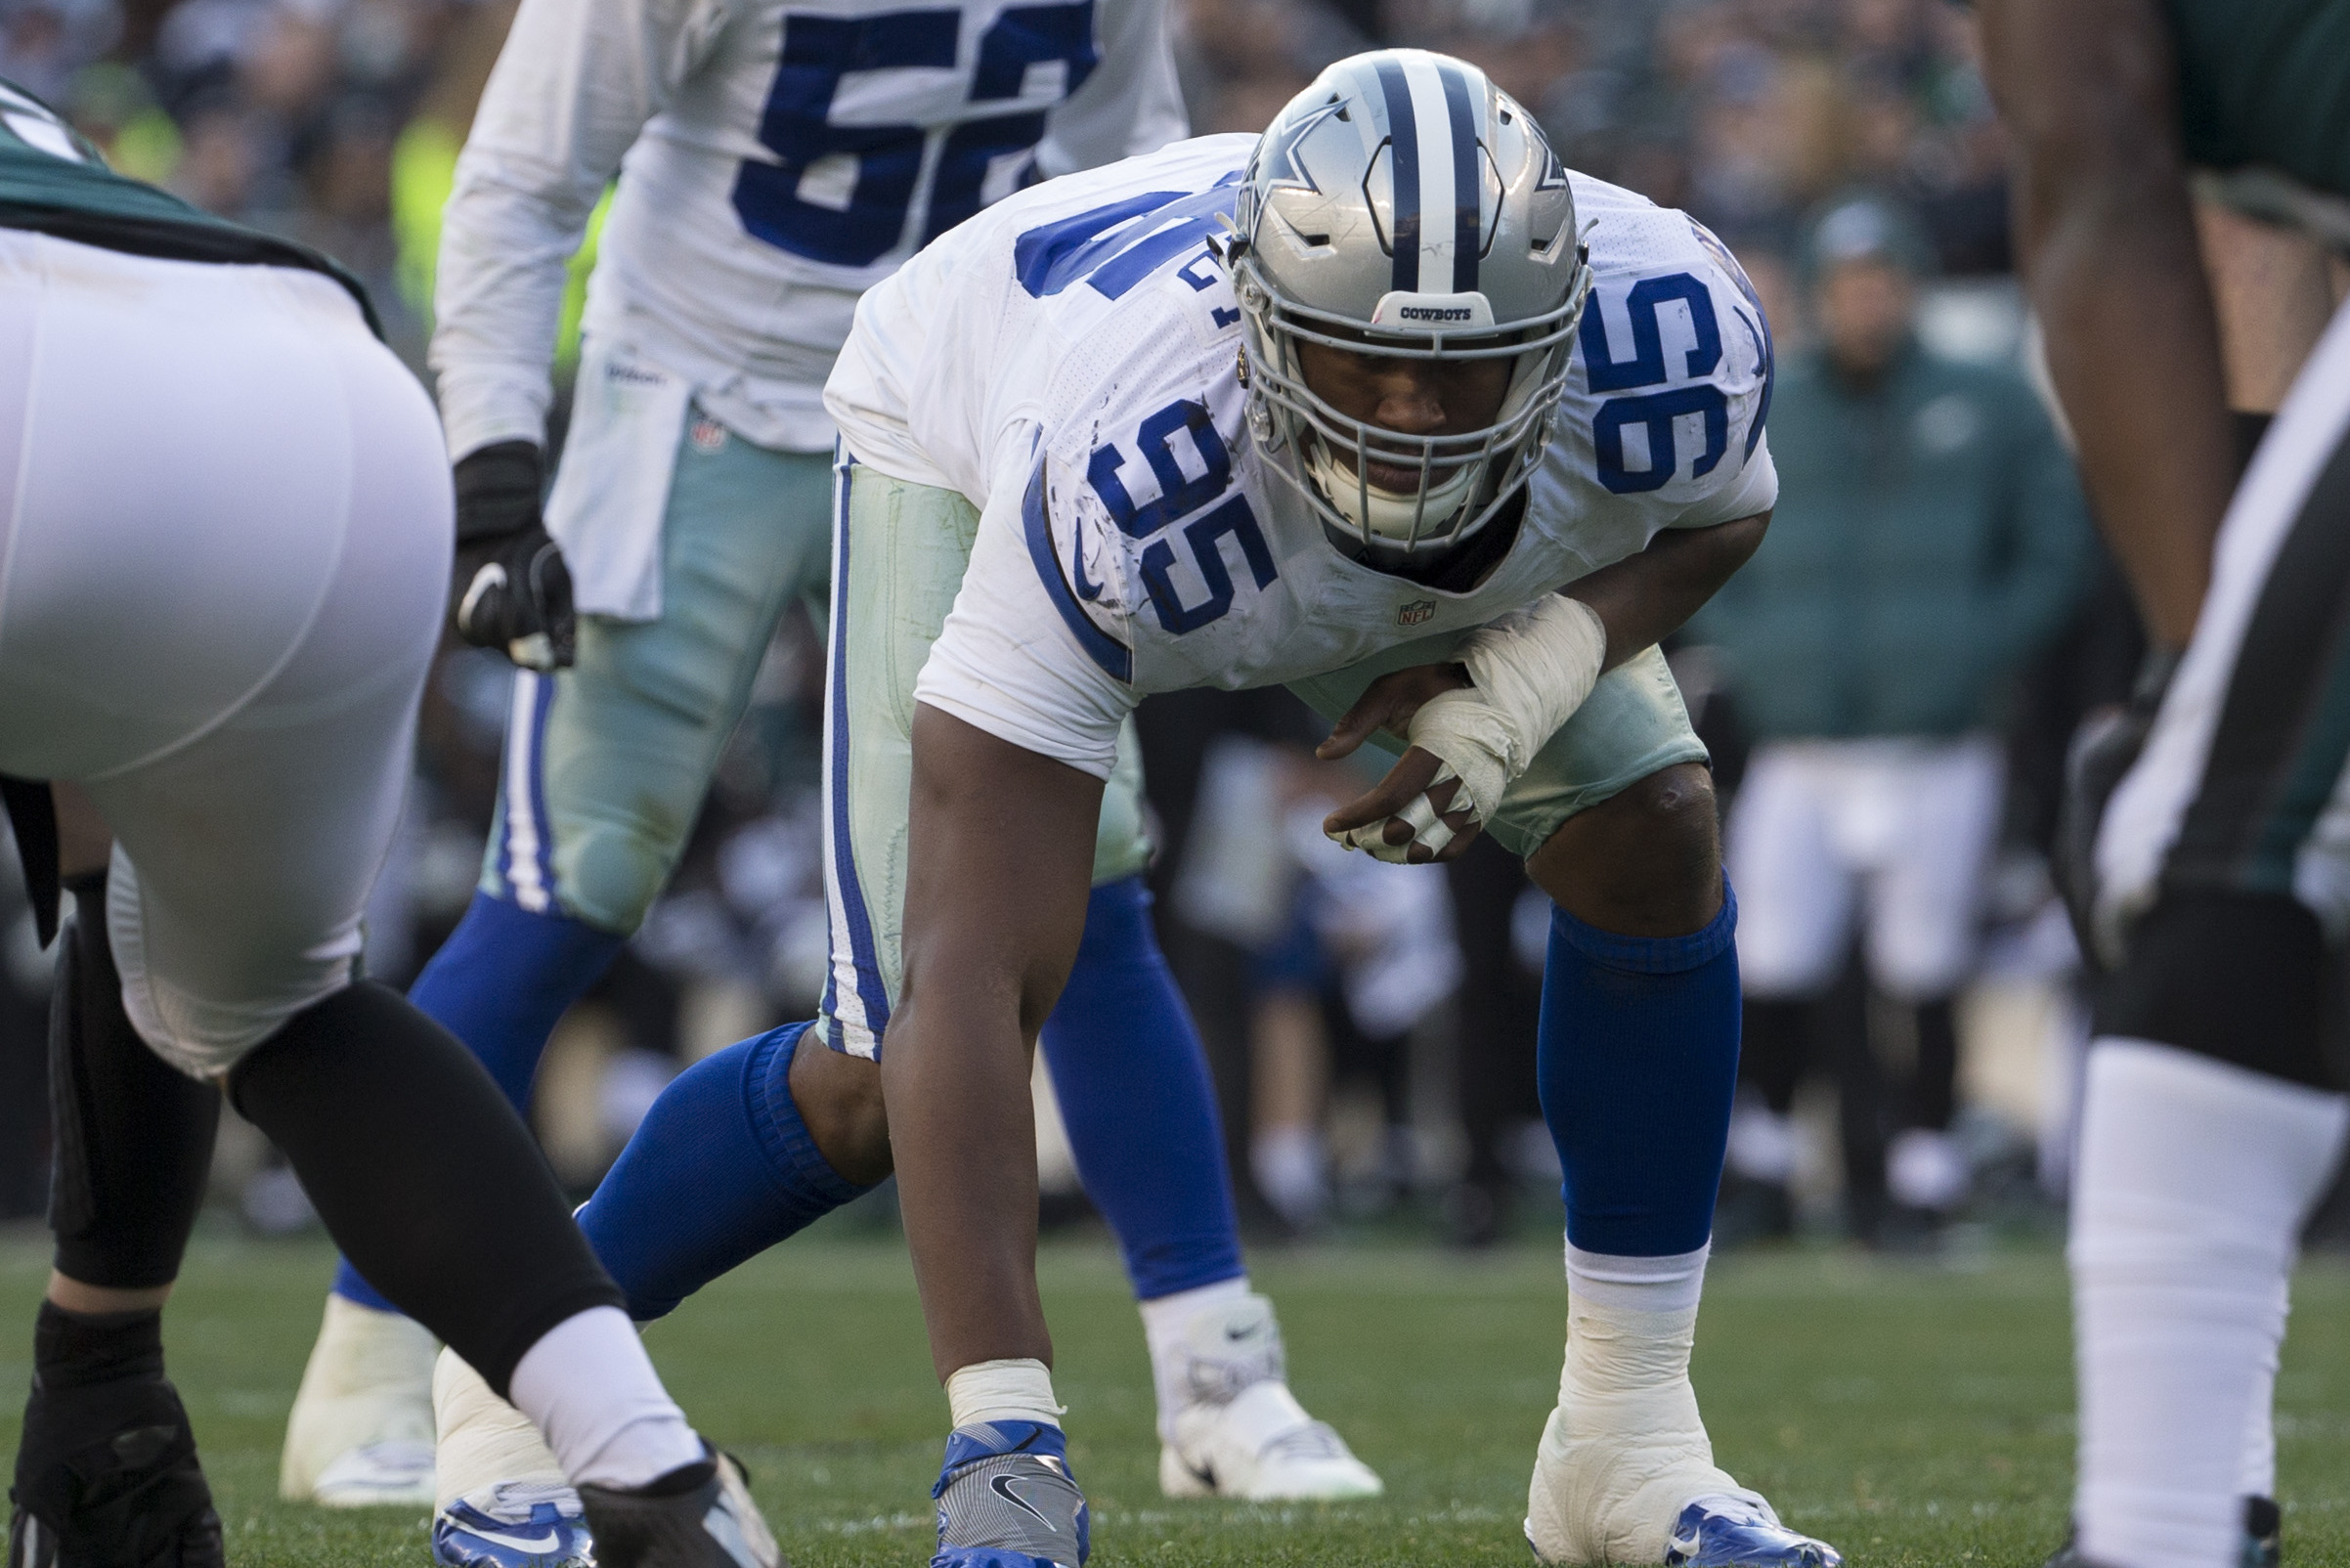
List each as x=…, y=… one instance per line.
x=1129, y=106
x=1754, y=488
x=572, y=88
x=1008, y=661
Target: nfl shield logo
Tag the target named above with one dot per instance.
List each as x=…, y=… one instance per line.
x=1415, y=612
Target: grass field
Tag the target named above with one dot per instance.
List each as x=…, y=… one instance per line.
x=1910, y=1414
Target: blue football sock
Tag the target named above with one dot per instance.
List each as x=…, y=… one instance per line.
x=721, y=1168
x=1134, y=1091
x=499, y=983
x=1636, y=1058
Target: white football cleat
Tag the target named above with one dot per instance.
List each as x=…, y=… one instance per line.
x=1626, y=1472
x=1241, y=1432
x=360, y=1434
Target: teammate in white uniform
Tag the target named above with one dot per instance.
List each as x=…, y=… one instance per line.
x=1325, y=408
x=773, y=161
x=220, y=644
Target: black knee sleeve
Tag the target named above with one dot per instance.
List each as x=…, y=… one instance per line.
x=425, y=1177
x=2241, y=977
x=133, y=1135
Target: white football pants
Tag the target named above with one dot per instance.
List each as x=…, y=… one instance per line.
x=1902, y=828
x=225, y=536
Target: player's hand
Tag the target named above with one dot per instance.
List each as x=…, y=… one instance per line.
x=2105, y=748
x=1404, y=816
x=1407, y=812
x=1388, y=703
x=511, y=590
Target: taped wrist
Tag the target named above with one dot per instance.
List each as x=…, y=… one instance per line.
x=133, y=1140
x=498, y=489
x=1528, y=672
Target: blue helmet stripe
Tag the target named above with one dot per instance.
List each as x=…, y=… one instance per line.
x=1467, y=231
x=1403, y=142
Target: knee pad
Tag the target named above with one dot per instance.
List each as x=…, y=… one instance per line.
x=2241, y=977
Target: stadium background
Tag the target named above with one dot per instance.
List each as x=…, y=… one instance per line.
x=1909, y=1400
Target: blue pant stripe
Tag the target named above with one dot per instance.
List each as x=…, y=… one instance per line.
x=873, y=999
x=526, y=854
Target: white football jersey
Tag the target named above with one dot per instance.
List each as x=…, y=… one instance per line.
x=776, y=157
x=1069, y=362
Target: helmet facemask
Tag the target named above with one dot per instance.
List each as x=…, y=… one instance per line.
x=1466, y=478
x=1320, y=255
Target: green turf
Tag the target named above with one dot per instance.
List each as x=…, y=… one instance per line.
x=1911, y=1414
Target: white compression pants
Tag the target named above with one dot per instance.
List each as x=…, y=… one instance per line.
x=225, y=535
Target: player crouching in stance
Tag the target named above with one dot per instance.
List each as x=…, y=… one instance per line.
x=228, y=529
x=1303, y=408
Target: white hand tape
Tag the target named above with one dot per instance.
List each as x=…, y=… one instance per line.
x=1534, y=668
x=1419, y=814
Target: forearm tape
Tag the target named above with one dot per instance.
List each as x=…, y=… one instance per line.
x=133, y=1136
x=1528, y=672
x=425, y=1177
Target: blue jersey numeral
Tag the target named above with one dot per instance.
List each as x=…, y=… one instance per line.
x=797, y=124
x=1180, y=496
x=1655, y=412
x=1116, y=246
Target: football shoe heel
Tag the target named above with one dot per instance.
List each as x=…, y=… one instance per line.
x=1242, y=1433
x=701, y=1516
x=360, y=1433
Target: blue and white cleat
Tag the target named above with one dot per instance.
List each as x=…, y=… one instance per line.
x=515, y=1524
x=1731, y=1532
x=1006, y=1499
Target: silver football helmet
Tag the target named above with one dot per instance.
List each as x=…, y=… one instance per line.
x=1405, y=206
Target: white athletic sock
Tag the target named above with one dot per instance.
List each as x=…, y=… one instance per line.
x=1164, y=1325
x=1017, y=1390
x=2194, y=1179
x=1625, y=1450
x=591, y=1388
x=1642, y=1284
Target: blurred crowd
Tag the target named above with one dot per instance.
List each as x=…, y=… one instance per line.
x=1371, y=1027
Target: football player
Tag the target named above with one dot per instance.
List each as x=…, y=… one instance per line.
x=222, y=643
x=773, y=162
x=2211, y=872
x=1345, y=407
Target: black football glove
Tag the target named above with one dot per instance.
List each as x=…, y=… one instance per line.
x=511, y=590
x=2103, y=750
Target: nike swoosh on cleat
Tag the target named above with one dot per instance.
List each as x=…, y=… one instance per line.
x=534, y=1545
x=1001, y=1486
x=1688, y=1547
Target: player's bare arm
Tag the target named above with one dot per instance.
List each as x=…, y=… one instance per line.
x=1640, y=600
x=2107, y=236
x=999, y=858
